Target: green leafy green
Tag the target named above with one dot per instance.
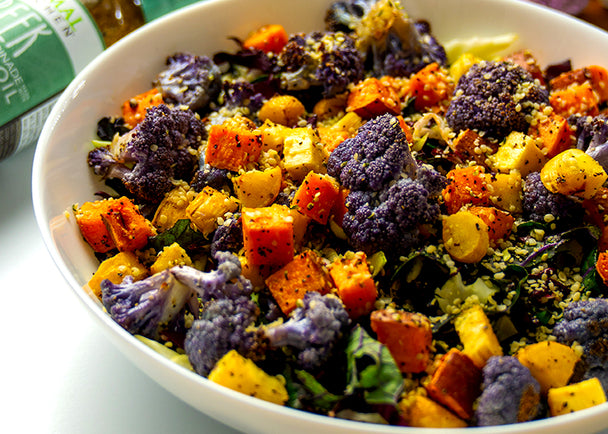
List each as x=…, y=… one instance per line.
x=372, y=369
x=320, y=397
x=181, y=233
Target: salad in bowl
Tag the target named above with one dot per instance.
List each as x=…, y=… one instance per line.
x=358, y=219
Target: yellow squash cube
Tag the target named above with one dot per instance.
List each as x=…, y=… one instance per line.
x=208, y=206
x=115, y=269
x=518, y=152
x=243, y=375
x=257, y=188
x=507, y=191
x=477, y=336
x=575, y=397
x=551, y=363
x=169, y=257
x=573, y=172
x=420, y=411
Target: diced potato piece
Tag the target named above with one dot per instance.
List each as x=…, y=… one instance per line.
x=575, y=397
x=465, y=237
x=115, y=269
x=273, y=136
x=477, y=336
x=507, y=191
x=422, y=412
x=172, y=208
x=283, y=110
x=456, y=383
x=303, y=274
x=573, y=172
x=207, y=206
x=170, y=256
x=551, y=363
x=407, y=335
x=257, y=188
x=243, y=375
x=301, y=153
x=518, y=152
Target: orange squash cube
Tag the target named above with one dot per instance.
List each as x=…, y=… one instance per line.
x=316, y=196
x=456, y=383
x=303, y=274
x=268, y=237
x=233, y=144
x=407, y=335
x=370, y=98
x=355, y=284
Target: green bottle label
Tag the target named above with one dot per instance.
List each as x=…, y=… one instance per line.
x=155, y=8
x=43, y=45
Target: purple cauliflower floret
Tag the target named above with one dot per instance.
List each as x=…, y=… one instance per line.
x=326, y=60
x=374, y=157
x=495, y=98
x=510, y=393
x=145, y=306
x=538, y=202
x=228, y=236
x=150, y=157
x=312, y=330
x=224, y=326
x=190, y=80
x=225, y=282
x=208, y=175
x=389, y=220
x=586, y=322
x=592, y=136
x=241, y=93
x=391, y=42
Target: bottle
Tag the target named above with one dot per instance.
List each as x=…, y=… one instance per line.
x=45, y=43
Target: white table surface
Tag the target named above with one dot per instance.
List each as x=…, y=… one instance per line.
x=58, y=371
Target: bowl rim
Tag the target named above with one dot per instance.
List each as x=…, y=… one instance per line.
x=135, y=349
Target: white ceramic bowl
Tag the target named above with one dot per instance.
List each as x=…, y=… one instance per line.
x=61, y=177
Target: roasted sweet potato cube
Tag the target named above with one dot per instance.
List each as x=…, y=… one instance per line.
x=553, y=133
x=127, y=227
x=233, y=144
x=499, y=222
x=431, y=86
x=355, y=284
x=466, y=186
x=303, y=274
x=92, y=227
x=370, y=98
x=470, y=146
x=456, y=383
x=316, y=196
x=268, y=236
x=134, y=109
x=407, y=335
